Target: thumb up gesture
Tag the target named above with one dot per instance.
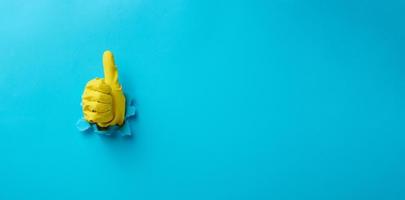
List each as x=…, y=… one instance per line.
x=103, y=101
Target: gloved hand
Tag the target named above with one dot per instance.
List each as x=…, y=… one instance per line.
x=103, y=101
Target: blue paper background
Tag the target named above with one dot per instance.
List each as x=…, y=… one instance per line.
x=282, y=99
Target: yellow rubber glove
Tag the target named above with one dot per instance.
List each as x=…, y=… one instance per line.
x=103, y=101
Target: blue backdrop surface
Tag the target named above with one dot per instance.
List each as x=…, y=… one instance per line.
x=243, y=99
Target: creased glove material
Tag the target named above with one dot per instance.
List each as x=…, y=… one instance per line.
x=103, y=101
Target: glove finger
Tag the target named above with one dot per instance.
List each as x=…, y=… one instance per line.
x=98, y=117
x=110, y=70
x=98, y=84
x=96, y=96
x=96, y=107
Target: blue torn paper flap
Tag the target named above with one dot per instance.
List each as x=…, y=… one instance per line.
x=124, y=130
